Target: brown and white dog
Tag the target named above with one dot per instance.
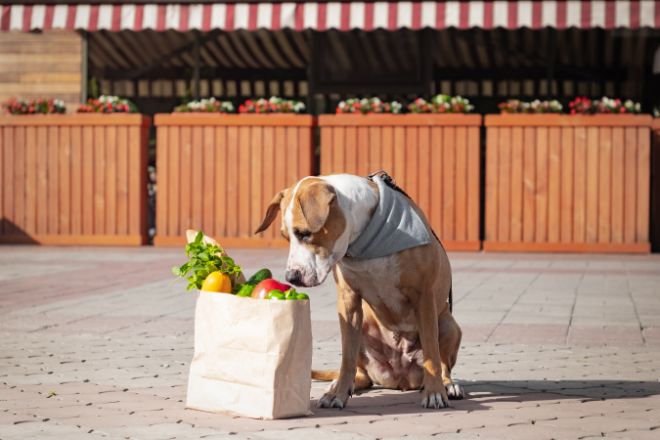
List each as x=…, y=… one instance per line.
x=396, y=327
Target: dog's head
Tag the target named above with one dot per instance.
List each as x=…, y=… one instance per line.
x=314, y=225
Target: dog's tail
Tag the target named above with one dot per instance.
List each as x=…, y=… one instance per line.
x=325, y=375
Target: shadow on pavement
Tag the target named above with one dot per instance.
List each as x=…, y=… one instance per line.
x=482, y=395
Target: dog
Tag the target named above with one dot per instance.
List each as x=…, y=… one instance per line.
x=397, y=330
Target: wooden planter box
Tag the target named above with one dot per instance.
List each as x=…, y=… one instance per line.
x=73, y=179
x=567, y=183
x=218, y=173
x=434, y=158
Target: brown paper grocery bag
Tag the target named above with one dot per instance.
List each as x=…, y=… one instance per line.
x=252, y=357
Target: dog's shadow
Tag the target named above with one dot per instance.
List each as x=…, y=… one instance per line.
x=483, y=395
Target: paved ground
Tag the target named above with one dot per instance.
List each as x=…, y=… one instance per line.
x=96, y=342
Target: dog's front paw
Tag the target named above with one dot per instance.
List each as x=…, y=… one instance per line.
x=435, y=400
x=333, y=400
x=454, y=391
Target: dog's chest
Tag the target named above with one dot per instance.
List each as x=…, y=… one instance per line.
x=378, y=283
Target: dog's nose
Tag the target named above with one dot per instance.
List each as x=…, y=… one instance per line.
x=293, y=276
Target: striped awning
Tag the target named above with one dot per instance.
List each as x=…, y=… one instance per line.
x=319, y=15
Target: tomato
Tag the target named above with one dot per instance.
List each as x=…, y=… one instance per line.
x=261, y=290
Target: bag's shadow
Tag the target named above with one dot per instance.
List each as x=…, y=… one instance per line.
x=482, y=395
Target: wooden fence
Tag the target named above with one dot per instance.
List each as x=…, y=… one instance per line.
x=567, y=183
x=73, y=179
x=218, y=173
x=434, y=158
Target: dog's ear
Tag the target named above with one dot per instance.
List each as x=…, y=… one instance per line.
x=271, y=212
x=315, y=204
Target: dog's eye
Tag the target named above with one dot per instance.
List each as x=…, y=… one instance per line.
x=302, y=234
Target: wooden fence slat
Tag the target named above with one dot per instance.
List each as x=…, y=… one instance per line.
x=541, y=193
x=53, y=149
x=449, y=148
x=504, y=184
x=232, y=176
x=399, y=154
x=210, y=172
x=42, y=180
x=643, y=183
x=99, y=179
x=412, y=162
x=492, y=177
x=306, y=163
x=122, y=180
x=529, y=178
x=280, y=164
x=567, y=161
x=618, y=183
x=349, y=149
x=291, y=151
x=326, y=139
x=19, y=180
x=65, y=181
x=580, y=185
x=517, y=183
x=388, y=148
x=592, y=185
x=604, y=184
x=87, y=146
x=221, y=188
x=186, y=179
x=197, y=184
x=174, y=156
x=137, y=182
x=269, y=189
x=243, y=180
x=630, y=185
x=423, y=169
x=373, y=150
x=111, y=180
x=339, y=150
x=436, y=179
x=362, y=167
x=8, y=174
x=474, y=185
x=257, y=172
x=77, y=167
x=554, y=185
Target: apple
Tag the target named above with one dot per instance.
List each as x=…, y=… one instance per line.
x=261, y=290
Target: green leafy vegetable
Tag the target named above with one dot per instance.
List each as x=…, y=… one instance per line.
x=204, y=258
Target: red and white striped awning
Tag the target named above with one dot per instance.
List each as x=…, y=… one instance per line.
x=321, y=15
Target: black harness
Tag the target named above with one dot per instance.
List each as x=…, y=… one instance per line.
x=389, y=181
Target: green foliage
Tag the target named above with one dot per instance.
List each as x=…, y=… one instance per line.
x=204, y=258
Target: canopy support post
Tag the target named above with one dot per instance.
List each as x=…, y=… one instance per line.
x=84, y=55
x=196, y=71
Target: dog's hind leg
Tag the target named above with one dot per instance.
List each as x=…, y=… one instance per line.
x=449, y=337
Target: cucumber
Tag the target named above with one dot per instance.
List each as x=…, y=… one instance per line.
x=259, y=276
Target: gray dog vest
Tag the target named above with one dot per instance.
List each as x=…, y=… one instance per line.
x=394, y=227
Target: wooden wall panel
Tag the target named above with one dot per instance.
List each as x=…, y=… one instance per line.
x=219, y=173
x=35, y=65
x=74, y=179
x=434, y=158
x=586, y=183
